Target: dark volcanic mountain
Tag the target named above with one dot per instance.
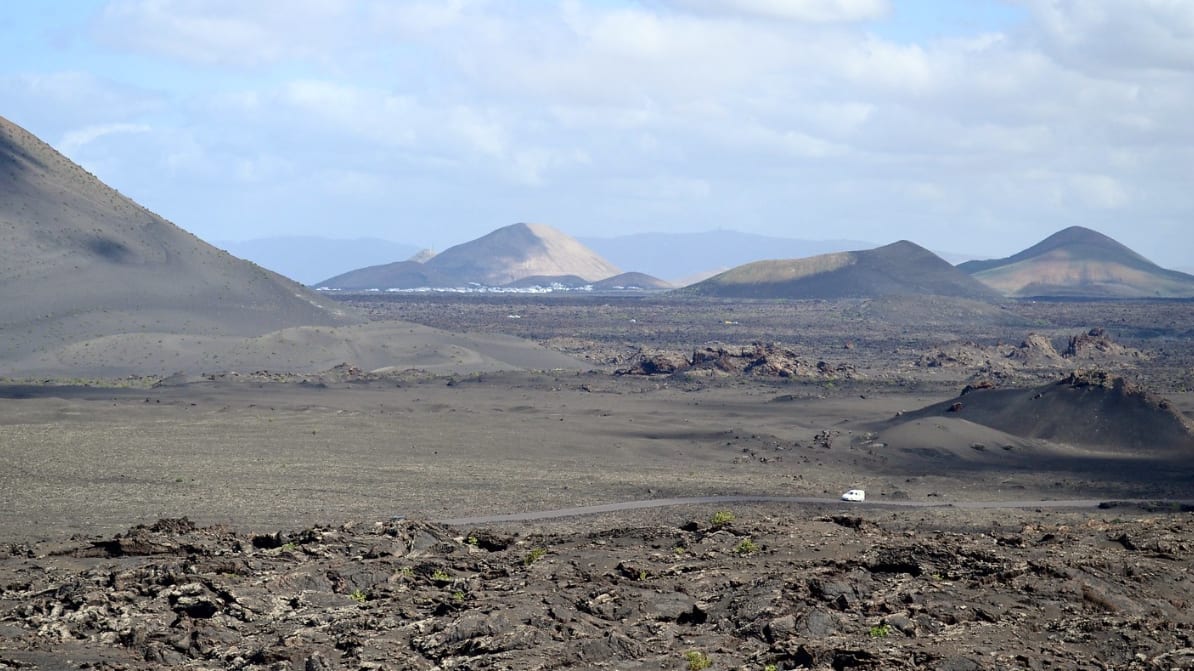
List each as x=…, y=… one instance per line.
x=94, y=285
x=899, y=269
x=1080, y=263
x=80, y=261
x=1089, y=409
x=509, y=254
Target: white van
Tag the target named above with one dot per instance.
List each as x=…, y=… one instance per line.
x=856, y=495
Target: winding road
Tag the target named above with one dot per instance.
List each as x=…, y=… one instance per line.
x=690, y=500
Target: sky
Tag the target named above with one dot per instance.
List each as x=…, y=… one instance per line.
x=970, y=126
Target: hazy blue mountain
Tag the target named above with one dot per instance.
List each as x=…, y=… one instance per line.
x=308, y=259
x=680, y=256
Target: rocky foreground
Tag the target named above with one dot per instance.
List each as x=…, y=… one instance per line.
x=911, y=590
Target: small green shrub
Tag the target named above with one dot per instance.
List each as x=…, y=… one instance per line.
x=697, y=660
x=289, y=547
x=472, y=540
x=721, y=518
x=357, y=595
x=535, y=555
x=746, y=547
x=880, y=630
x=458, y=596
x=440, y=575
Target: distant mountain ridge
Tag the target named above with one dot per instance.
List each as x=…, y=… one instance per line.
x=1078, y=262
x=900, y=269
x=507, y=255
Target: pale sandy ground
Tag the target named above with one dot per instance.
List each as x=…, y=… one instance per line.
x=272, y=456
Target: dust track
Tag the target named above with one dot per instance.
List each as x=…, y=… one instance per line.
x=799, y=500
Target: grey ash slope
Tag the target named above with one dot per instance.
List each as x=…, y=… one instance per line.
x=1084, y=409
x=78, y=260
x=1080, y=263
x=94, y=285
x=509, y=254
x=896, y=270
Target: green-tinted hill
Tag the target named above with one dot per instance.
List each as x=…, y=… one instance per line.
x=1080, y=263
x=899, y=269
x=397, y=275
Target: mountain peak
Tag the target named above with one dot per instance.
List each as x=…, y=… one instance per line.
x=1080, y=237
x=500, y=257
x=1080, y=262
x=899, y=269
x=518, y=251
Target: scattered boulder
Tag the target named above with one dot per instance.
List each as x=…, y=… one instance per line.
x=1034, y=355
x=1097, y=346
x=619, y=598
x=758, y=359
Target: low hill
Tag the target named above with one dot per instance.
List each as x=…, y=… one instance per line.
x=308, y=259
x=1080, y=263
x=632, y=282
x=684, y=258
x=80, y=261
x=509, y=254
x=541, y=281
x=899, y=269
x=397, y=275
x=1084, y=409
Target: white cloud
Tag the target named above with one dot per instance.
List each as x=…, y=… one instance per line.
x=76, y=139
x=479, y=130
x=53, y=102
x=227, y=32
x=412, y=17
x=743, y=105
x=355, y=183
x=366, y=112
x=816, y=11
x=1118, y=34
x=263, y=168
x=1099, y=191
